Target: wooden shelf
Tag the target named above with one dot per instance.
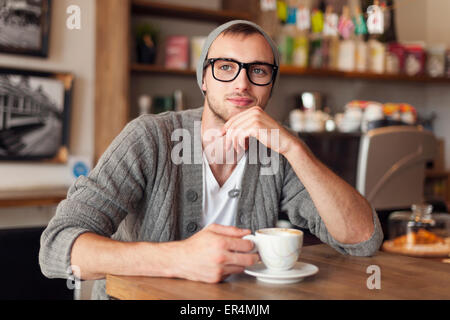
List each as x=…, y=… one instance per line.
x=32, y=198
x=296, y=71
x=442, y=178
x=437, y=174
x=141, y=7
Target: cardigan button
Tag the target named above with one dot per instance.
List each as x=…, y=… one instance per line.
x=191, y=195
x=234, y=193
x=191, y=227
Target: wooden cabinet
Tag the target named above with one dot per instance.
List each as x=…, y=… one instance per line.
x=112, y=72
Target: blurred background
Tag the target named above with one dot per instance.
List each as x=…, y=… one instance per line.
x=73, y=73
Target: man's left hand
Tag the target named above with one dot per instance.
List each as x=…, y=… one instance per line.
x=255, y=122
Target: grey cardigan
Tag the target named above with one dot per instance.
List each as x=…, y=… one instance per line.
x=137, y=193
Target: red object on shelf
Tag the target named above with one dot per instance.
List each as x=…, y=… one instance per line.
x=415, y=59
x=177, y=52
x=399, y=51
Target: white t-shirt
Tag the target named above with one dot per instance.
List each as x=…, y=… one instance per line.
x=220, y=203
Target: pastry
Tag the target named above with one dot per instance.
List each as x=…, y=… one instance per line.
x=422, y=243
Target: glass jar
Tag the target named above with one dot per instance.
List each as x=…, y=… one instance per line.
x=419, y=232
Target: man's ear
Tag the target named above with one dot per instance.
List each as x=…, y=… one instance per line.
x=203, y=85
x=203, y=82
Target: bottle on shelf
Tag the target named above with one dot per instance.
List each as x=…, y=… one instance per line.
x=145, y=104
x=178, y=96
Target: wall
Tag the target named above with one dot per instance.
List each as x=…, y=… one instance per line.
x=438, y=97
x=70, y=51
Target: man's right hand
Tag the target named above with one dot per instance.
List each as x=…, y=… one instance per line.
x=209, y=256
x=213, y=254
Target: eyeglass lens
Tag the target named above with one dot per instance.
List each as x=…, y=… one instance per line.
x=228, y=70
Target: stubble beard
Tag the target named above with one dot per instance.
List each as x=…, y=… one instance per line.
x=219, y=110
x=215, y=108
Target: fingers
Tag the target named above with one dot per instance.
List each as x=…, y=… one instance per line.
x=237, y=138
x=246, y=120
x=234, y=249
x=240, y=127
x=216, y=252
x=233, y=139
x=241, y=116
x=228, y=231
x=229, y=270
x=239, y=245
x=233, y=130
x=241, y=259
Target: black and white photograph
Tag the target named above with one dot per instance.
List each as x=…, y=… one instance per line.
x=24, y=27
x=34, y=115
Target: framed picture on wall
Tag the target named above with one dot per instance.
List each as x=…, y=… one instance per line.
x=24, y=27
x=34, y=115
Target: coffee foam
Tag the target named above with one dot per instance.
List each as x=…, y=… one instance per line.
x=281, y=232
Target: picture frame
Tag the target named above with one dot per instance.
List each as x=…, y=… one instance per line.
x=25, y=27
x=35, y=109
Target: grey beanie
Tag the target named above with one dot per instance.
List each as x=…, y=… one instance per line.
x=216, y=32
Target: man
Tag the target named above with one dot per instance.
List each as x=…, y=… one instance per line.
x=152, y=208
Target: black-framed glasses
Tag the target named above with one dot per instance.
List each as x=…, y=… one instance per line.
x=226, y=70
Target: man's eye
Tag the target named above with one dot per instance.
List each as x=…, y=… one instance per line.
x=226, y=67
x=259, y=71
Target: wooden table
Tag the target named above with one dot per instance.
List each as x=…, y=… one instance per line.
x=339, y=277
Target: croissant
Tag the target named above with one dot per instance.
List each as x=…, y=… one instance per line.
x=422, y=236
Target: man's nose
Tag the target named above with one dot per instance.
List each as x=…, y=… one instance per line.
x=242, y=82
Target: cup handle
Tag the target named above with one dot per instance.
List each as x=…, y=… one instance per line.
x=252, y=238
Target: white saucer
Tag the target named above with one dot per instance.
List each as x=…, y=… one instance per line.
x=294, y=275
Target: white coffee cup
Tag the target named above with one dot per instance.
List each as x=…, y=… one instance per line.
x=278, y=248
